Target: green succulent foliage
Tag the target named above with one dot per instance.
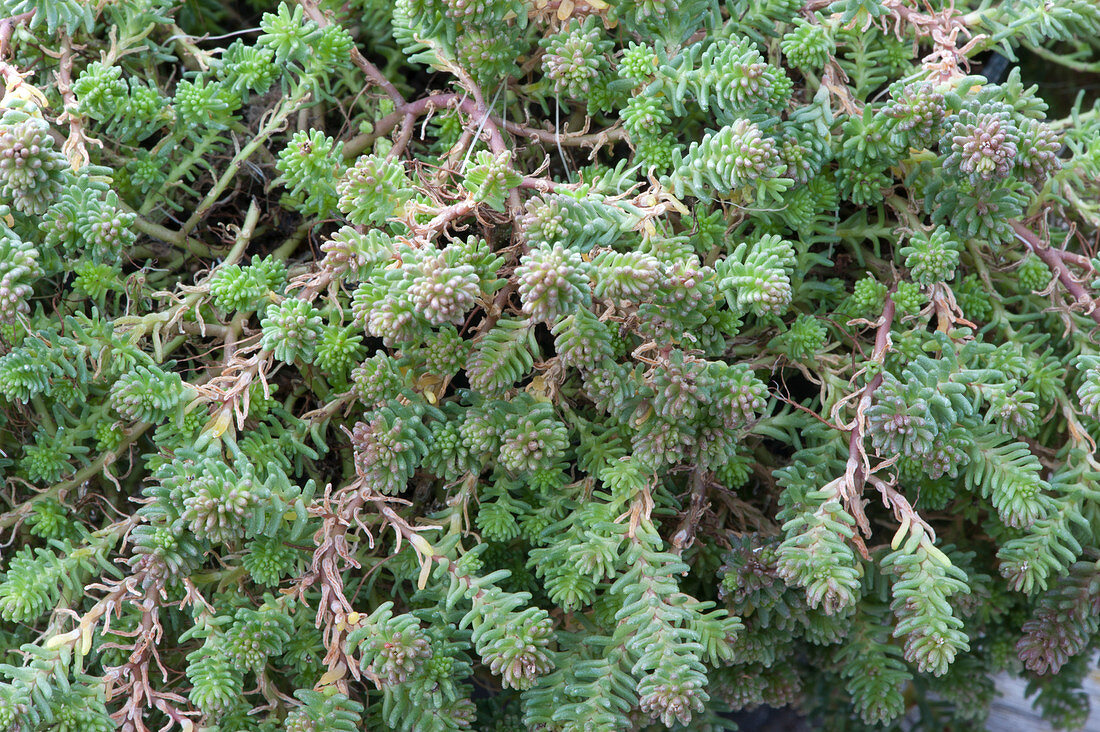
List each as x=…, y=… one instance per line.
x=373, y=190
x=31, y=170
x=756, y=275
x=310, y=165
x=502, y=357
x=19, y=270
x=490, y=178
x=925, y=579
x=643, y=117
x=583, y=224
x=669, y=640
x=931, y=256
x=808, y=44
x=738, y=160
x=237, y=288
x=36, y=578
x=874, y=675
x=89, y=220
x=324, y=710
x=209, y=104
x=1033, y=274
x=50, y=456
x=490, y=53
x=389, y=448
x=575, y=57
x=868, y=296
x=288, y=35
x=129, y=108
x=392, y=648
x=97, y=279
x=257, y=635
x=248, y=69
x=291, y=330
x=511, y=638
x=268, y=560
x=814, y=554
x=50, y=520
x=449, y=364
x=147, y=394
x=908, y=298
x=805, y=337
x=552, y=282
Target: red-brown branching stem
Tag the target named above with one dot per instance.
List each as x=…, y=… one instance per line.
x=882, y=342
x=445, y=216
x=899, y=504
x=684, y=536
x=544, y=185
x=7, y=28
x=75, y=147
x=405, y=111
x=376, y=76
x=402, y=141
x=464, y=103
x=1077, y=260
x=144, y=589
x=372, y=72
x=424, y=106
x=336, y=543
x=1053, y=258
x=858, y=468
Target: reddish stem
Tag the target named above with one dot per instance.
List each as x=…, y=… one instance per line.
x=314, y=13
x=855, y=441
x=462, y=102
x=1053, y=258
x=7, y=27
x=855, y=474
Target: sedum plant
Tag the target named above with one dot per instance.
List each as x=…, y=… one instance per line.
x=559, y=366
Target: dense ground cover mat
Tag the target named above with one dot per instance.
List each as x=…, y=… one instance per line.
x=560, y=365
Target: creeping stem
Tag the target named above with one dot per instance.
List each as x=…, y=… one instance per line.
x=462, y=102
x=1053, y=258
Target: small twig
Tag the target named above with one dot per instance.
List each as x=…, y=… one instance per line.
x=858, y=466
x=544, y=185
x=445, y=216
x=904, y=512
x=176, y=238
x=408, y=124
x=275, y=123
x=807, y=410
x=75, y=147
x=7, y=28
x=697, y=506
x=576, y=139
x=1053, y=258
x=314, y=13
x=423, y=106
x=882, y=342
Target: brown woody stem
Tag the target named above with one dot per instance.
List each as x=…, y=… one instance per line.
x=1053, y=258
